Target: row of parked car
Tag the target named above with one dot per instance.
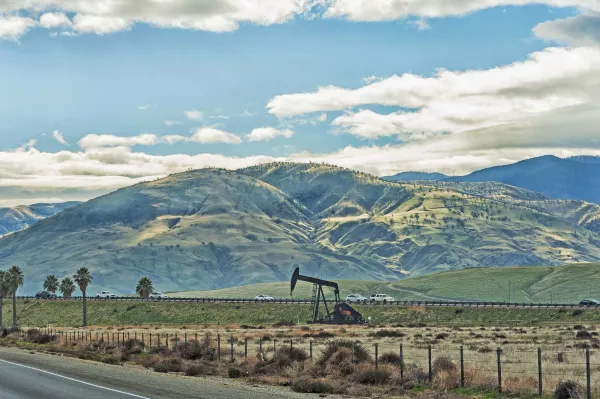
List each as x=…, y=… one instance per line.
x=102, y=294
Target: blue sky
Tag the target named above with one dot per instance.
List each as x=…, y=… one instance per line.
x=252, y=75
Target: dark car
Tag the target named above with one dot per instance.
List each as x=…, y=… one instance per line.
x=589, y=302
x=45, y=295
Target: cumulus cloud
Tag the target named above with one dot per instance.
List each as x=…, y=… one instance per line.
x=386, y=10
x=59, y=138
x=194, y=115
x=580, y=30
x=209, y=135
x=268, y=133
x=172, y=123
x=12, y=27
x=54, y=20
x=322, y=117
x=99, y=24
x=458, y=101
x=92, y=141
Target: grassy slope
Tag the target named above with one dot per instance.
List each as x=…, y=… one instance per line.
x=538, y=284
x=68, y=314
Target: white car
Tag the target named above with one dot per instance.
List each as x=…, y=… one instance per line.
x=105, y=294
x=264, y=298
x=158, y=295
x=356, y=298
x=381, y=298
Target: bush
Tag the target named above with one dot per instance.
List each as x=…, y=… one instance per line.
x=388, y=334
x=234, y=372
x=307, y=385
x=441, y=336
x=443, y=364
x=194, y=350
x=323, y=335
x=583, y=334
x=577, y=312
x=283, y=357
x=560, y=357
x=284, y=323
x=567, y=390
x=198, y=369
x=38, y=338
x=168, y=365
x=3, y=333
x=373, y=376
x=390, y=358
x=359, y=353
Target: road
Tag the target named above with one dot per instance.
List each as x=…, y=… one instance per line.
x=26, y=375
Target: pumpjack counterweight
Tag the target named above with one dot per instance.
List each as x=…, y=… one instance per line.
x=341, y=313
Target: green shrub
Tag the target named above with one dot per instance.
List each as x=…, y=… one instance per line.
x=307, y=385
x=234, y=372
x=373, y=377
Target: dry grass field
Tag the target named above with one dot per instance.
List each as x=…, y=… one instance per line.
x=352, y=370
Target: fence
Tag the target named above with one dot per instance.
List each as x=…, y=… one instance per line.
x=291, y=301
x=512, y=369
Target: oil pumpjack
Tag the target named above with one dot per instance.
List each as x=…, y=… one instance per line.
x=341, y=313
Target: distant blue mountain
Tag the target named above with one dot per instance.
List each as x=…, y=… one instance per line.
x=576, y=178
x=403, y=176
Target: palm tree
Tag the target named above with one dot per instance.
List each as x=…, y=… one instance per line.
x=51, y=283
x=144, y=287
x=15, y=280
x=83, y=278
x=4, y=291
x=67, y=287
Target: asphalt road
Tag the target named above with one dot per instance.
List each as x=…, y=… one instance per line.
x=24, y=375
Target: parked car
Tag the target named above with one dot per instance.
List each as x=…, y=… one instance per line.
x=381, y=298
x=158, y=295
x=45, y=295
x=356, y=298
x=105, y=294
x=264, y=298
x=589, y=302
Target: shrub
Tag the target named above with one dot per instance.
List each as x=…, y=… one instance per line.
x=340, y=363
x=234, y=372
x=283, y=357
x=578, y=327
x=390, y=358
x=307, y=385
x=284, y=323
x=373, y=376
x=324, y=335
x=443, y=364
x=560, y=357
x=442, y=336
x=3, y=333
x=168, y=365
x=577, y=312
x=485, y=349
x=359, y=353
x=38, y=338
x=194, y=350
x=388, y=334
x=583, y=334
x=567, y=390
x=198, y=369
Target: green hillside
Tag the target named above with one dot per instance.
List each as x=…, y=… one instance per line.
x=534, y=284
x=213, y=228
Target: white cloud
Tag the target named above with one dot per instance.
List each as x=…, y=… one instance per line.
x=194, y=115
x=173, y=138
x=94, y=141
x=54, y=20
x=220, y=117
x=172, y=123
x=209, y=135
x=421, y=24
x=13, y=27
x=323, y=117
x=387, y=10
x=108, y=16
x=99, y=24
x=143, y=107
x=247, y=113
x=456, y=102
x=59, y=138
x=580, y=30
x=268, y=133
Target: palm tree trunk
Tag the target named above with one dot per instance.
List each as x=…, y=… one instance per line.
x=84, y=311
x=14, y=323
x=1, y=325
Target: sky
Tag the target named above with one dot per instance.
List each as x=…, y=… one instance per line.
x=98, y=94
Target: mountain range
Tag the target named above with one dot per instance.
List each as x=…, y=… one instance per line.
x=215, y=228
x=575, y=178
x=20, y=217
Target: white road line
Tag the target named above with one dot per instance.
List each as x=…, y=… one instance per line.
x=75, y=380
